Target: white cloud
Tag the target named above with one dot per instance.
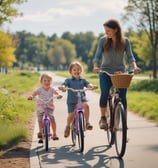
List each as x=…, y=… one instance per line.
x=66, y=15
x=53, y=14
x=72, y=8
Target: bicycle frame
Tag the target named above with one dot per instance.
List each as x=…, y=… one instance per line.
x=117, y=126
x=78, y=109
x=46, y=119
x=46, y=123
x=78, y=125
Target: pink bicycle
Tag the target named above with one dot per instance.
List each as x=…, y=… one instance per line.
x=46, y=123
x=78, y=124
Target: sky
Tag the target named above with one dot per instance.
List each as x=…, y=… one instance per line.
x=59, y=16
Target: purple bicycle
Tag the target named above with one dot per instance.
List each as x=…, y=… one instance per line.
x=46, y=123
x=78, y=124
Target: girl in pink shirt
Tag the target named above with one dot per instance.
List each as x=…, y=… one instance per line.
x=45, y=92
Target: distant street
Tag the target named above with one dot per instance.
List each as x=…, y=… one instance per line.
x=142, y=148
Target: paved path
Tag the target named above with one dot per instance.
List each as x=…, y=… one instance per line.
x=142, y=148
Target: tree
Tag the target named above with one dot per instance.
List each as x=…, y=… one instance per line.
x=8, y=10
x=145, y=15
x=83, y=43
x=61, y=53
x=31, y=49
x=56, y=56
x=7, y=49
x=141, y=46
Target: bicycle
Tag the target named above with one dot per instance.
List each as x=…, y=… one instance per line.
x=46, y=123
x=116, y=115
x=78, y=124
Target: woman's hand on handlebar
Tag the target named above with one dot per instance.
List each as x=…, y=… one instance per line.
x=137, y=70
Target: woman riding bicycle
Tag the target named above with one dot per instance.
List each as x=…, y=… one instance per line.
x=76, y=82
x=110, y=56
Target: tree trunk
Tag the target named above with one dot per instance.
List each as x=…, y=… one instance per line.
x=154, y=63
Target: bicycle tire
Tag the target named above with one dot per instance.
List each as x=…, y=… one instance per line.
x=120, y=129
x=109, y=117
x=73, y=133
x=81, y=131
x=46, y=136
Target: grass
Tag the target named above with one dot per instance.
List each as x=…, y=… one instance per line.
x=11, y=134
x=144, y=104
x=15, y=109
x=18, y=82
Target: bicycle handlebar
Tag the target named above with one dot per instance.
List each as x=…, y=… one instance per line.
x=125, y=73
x=79, y=90
x=43, y=100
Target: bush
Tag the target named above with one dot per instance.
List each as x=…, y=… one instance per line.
x=145, y=85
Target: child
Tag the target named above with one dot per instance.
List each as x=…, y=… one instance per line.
x=76, y=82
x=46, y=91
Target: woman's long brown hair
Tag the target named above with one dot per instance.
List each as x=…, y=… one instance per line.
x=120, y=41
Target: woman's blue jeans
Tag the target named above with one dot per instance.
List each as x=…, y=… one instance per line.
x=105, y=85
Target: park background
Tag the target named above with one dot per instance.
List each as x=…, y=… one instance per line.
x=24, y=53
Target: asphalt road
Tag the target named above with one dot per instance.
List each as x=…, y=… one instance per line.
x=141, y=151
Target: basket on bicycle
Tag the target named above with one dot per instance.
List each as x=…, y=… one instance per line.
x=121, y=80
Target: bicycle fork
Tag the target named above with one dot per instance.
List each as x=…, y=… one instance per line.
x=77, y=115
x=46, y=121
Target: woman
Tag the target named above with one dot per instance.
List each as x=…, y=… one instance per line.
x=110, y=56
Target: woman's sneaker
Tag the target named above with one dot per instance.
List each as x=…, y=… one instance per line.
x=103, y=123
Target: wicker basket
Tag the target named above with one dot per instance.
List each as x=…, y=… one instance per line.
x=121, y=80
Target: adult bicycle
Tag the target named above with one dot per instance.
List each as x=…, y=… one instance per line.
x=116, y=114
x=78, y=124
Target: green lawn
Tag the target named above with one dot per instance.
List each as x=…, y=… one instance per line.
x=15, y=109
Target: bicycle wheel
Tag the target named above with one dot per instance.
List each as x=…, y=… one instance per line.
x=120, y=129
x=109, y=117
x=81, y=131
x=73, y=133
x=46, y=132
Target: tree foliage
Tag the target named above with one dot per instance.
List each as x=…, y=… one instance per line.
x=8, y=10
x=82, y=41
x=7, y=49
x=145, y=15
x=61, y=53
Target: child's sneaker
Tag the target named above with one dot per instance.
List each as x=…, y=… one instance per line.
x=89, y=126
x=40, y=141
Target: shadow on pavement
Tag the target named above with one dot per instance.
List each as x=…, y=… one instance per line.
x=104, y=160
x=70, y=158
